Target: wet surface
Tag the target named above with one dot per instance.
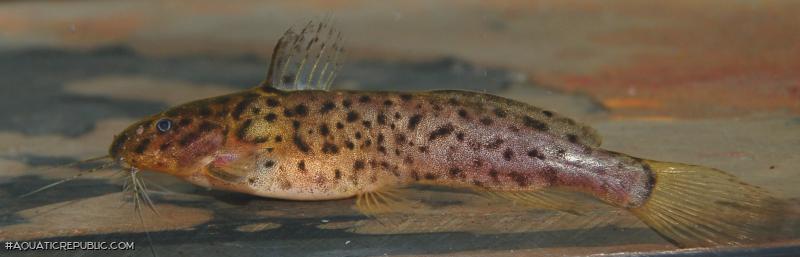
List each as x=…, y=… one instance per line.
x=63, y=101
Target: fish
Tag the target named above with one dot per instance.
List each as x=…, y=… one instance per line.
x=292, y=137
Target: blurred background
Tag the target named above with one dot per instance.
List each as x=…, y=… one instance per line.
x=715, y=83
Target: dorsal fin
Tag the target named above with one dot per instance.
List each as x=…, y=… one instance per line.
x=308, y=59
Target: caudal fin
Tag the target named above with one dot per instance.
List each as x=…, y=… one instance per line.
x=697, y=206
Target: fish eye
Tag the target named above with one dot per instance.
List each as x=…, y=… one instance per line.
x=164, y=125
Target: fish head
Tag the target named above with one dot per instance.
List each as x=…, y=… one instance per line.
x=175, y=141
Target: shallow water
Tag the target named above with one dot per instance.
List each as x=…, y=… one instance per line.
x=735, y=111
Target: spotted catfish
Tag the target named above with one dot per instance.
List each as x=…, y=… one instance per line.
x=293, y=138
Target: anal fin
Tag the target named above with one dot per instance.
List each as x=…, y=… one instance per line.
x=384, y=201
x=551, y=199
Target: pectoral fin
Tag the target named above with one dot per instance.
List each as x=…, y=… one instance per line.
x=227, y=173
x=240, y=168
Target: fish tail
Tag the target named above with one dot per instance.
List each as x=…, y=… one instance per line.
x=695, y=206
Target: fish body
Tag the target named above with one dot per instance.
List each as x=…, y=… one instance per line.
x=293, y=138
x=319, y=145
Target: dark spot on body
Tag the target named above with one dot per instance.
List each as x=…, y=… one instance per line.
x=337, y=174
x=533, y=153
x=184, y=122
x=207, y=126
x=463, y=113
x=301, y=110
x=296, y=124
x=486, y=121
x=496, y=143
x=381, y=138
x=367, y=143
x=330, y=148
x=651, y=179
x=288, y=113
x=352, y=116
x=430, y=176
x=301, y=144
x=561, y=153
x=349, y=145
x=269, y=164
x=572, y=138
x=364, y=99
x=357, y=135
x=327, y=107
x=347, y=103
x=278, y=139
x=189, y=138
x=272, y=102
x=270, y=117
x=547, y=113
x=339, y=125
x=460, y=136
x=324, y=130
x=142, y=146
x=414, y=121
x=508, y=154
x=255, y=110
x=388, y=103
x=301, y=165
x=415, y=175
x=405, y=97
x=494, y=174
x=381, y=118
x=382, y=149
x=500, y=113
x=441, y=132
x=260, y=139
x=452, y=101
x=241, y=106
x=400, y=139
x=535, y=124
x=285, y=184
x=241, y=133
x=423, y=149
x=165, y=146
x=550, y=175
x=455, y=172
x=397, y=116
x=366, y=123
x=358, y=165
x=520, y=179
